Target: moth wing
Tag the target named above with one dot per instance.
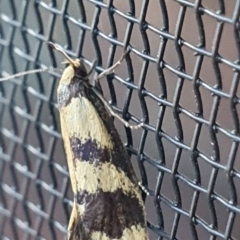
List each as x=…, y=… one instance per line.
x=107, y=203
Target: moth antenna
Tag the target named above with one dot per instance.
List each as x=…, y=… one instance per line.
x=28, y=72
x=59, y=49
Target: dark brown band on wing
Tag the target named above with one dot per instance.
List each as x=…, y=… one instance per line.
x=89, y=150
x=110, y=212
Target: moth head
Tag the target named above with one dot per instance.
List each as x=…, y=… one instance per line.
x=76, y=67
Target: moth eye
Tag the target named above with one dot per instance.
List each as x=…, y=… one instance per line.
x=81, y=71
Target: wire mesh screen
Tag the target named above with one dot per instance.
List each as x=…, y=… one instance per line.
x=181, y=80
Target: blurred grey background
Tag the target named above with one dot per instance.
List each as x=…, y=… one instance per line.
x=35, y=192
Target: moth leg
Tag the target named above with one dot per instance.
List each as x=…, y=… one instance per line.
x=115, y=65
x=115, y=114
x=143, y=188
x=105, y=73
x=109, y=70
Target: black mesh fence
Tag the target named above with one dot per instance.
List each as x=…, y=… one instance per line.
x=181, y=79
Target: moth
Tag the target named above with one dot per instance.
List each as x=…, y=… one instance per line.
x=107, y=201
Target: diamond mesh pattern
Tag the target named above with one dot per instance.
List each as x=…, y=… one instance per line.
x=181, y=79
